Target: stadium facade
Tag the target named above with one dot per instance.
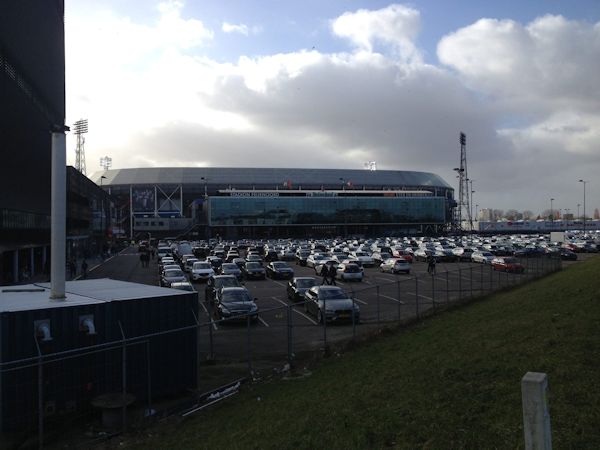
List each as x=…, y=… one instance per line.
x=276, y=202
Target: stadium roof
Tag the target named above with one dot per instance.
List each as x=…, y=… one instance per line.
x=265, y=176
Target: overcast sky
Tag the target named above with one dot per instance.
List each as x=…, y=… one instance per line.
x=337, y=83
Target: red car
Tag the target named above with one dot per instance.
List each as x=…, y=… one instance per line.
x=508, y=264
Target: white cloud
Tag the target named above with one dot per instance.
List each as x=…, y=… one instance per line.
x=153, y=99
x=395, y=25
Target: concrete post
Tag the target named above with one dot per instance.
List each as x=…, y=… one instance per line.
x=58, y=219
x=536, y=417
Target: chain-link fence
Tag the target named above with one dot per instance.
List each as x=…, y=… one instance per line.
x=110, y=385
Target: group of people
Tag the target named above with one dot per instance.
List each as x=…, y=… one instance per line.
x=328, y=273
x=73, y=268
x=145, y=257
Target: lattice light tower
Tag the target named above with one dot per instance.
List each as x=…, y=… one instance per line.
x=464, y=207
x=80, y=128
x=371, y=165
x=106, y=162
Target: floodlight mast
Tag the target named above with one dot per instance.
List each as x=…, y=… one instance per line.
x=463, y=187
x=106, y=162
x=80, y=128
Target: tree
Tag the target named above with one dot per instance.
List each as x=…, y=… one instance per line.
x=527, y=215
x=596, y=214
x=511, y=214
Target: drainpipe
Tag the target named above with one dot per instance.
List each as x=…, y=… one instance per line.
x=58, y=213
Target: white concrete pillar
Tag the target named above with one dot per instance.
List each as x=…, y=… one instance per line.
x=536, y=417
x=58, y=231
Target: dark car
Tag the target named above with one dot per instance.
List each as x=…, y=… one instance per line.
x=279, y=269
x=302, y=256
x=216, y=283
x=568, y=255
x=172, y=276
x=236, y=303
x=253, y=271
x=332, y=303
x=297, y=287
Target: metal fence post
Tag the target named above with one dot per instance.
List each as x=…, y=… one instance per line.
x=211, y=354
x=399, y=301
x=324, y=320
x=481, y=288
x=433, y=291
x=447, y=288
x=150, y=412
x=248, y=344
x=417, y=294
x=124, y=379
x=353, y=319
x=40, y=395
x=471, y=279
x=460, y=283
x=378, y=306
x=290, y=343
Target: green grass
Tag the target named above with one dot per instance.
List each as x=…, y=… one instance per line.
x=450, y=382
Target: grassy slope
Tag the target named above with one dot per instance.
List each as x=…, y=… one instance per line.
x=451, y=382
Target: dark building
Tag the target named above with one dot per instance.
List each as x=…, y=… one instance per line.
x=32, y=93
x=277, y=202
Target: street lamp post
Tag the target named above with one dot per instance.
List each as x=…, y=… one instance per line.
x=578, y=216
x=584, y=183
x=102, y=212
x=551, y=212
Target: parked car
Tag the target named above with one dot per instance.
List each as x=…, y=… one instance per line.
x=302, y=256
x=254, y=258
x=315, y=259
x=395, y=265
x=279, y=269
x=350, y=271
x=231, y=269
x=216, y=283
x=172, y=276
x=508, y=264
x=331, y=303
x=183, y=286
x=297, y=287
x=253, y=270
x=236, y=303
x=189, y=263
x=202, y=271
x=482, y=257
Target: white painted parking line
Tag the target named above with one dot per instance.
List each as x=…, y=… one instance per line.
x=420, y=295
x=384, y=279
x=263, y=322
x=296, y=311
x=280, y=284
x=360, y=301
x=367, y=282
x=392, y=298
x=339, y=282
x=206, y=310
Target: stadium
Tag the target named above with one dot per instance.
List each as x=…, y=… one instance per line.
x=275, y=202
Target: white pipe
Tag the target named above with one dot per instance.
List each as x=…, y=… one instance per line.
x=58, y=216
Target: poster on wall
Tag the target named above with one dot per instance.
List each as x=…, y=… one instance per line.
x=143, y=199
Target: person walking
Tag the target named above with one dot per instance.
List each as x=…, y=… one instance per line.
x=84, y=267
x=325, y=274
x=332, y=274
x=72, y=268
x=431, y=265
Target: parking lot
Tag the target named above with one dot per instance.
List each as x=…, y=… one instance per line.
x=284, y=329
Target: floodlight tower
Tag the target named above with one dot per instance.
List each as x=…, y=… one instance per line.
x=463, y=185
x=106, y=162
x=371, y=165
x=80, y=128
